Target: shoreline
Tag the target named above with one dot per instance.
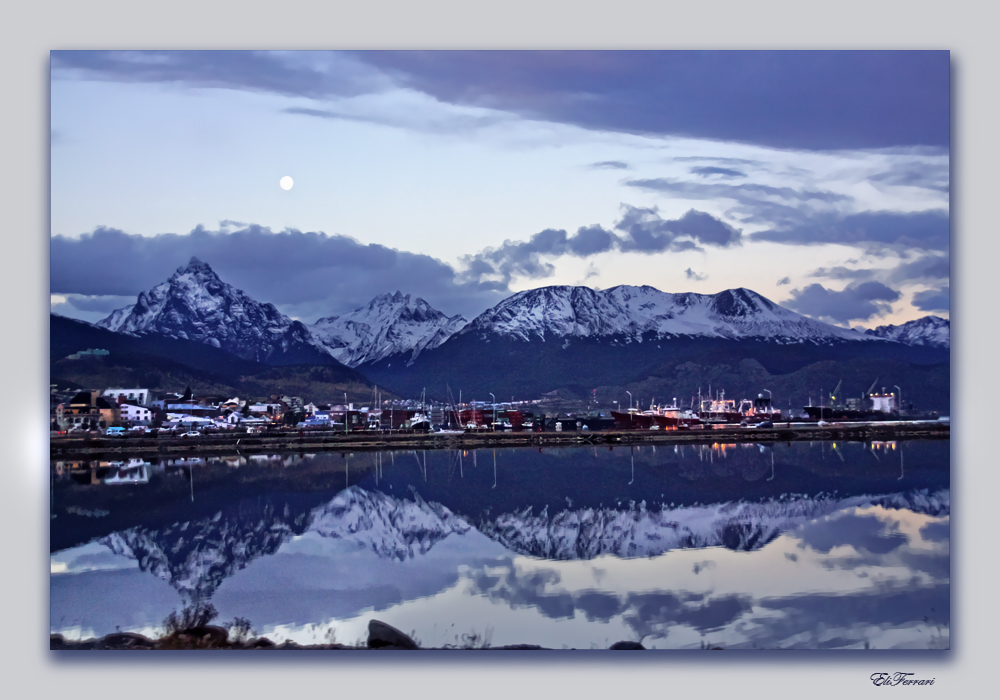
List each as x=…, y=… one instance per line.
x=61, y=447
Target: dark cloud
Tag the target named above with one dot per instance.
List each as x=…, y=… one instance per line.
x=784, y=281
x=842, y=273
x=936, y=531
x=855, y=302
x=865, y=532
x=304, y=274
x=753, y=203
x=646, y=231
x=747, y=193
x=708, y=171
x=925, y=268
x=316, y=75
x=873, y=230
x=523, y=257
x=933, y=299
x=611, y=164
x=643, y=230
x=692, y=275
x=789, y=99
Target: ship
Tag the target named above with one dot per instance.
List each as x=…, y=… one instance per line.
x=871, y=406
x=657, y=417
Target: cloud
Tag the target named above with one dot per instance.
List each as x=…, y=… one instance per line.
x=786, y=99
x=861, y=531
x=524, y=257
x=692, y=275
x=646, y=231
x=876, y=231
x=708, y=171
x=754, y=203
x=747, y=193
x=842, y=273
x=610, y=165
x=855, y=302
x=305, y=274
x=311, y=74
x=784, y=281
x=100, y=303
x=930, y=176
x=926, y=268
x=933, y=299
x=643, y=231
x=923, y=269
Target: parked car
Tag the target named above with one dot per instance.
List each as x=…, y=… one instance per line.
x=765, y=424
x=191, y=433
x=115, y=432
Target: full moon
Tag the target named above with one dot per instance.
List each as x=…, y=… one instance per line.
x=286, y=183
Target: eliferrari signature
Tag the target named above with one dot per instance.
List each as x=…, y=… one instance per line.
x=899, y=678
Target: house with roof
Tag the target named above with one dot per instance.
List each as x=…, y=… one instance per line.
x=139, y=397
x=88, y=409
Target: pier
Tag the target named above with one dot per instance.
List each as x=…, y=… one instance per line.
x=320, y=441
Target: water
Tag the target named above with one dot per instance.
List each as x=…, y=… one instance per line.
x=801, y=545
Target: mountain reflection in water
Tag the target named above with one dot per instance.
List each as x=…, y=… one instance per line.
x=801, y=545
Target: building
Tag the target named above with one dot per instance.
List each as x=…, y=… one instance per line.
x=139, y=397
x=88, y=409
x=132, y=414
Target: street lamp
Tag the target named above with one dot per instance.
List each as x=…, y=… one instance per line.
x=494, y=411
x=629, y=399
x=899, y=397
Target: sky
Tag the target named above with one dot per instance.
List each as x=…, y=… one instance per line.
x=819, y=179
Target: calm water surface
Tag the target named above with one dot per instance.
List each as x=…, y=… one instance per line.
x=802, y=545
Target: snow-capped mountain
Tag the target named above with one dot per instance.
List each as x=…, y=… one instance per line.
x=196, y=556
x=929, y=330
x=638, y=532
x=390, y=324
x=194, y=304
x=392, y=528
x=565, y=312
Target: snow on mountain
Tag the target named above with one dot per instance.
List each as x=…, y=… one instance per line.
x=196, y=556
x=194, y=304
x=929, y=330
x=391, y=324
x=391, y=527
x=565, y=312
x=638, y=532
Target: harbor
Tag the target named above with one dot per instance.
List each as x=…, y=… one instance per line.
x=322, y=440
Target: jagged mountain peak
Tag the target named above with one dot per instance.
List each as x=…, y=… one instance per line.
x=932, y=331
x=390, y=324
x=195, y=304
x=633, y=311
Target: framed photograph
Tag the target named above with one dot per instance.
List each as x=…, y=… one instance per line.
x=497, y=350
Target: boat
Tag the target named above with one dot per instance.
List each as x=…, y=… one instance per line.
x=656, y=417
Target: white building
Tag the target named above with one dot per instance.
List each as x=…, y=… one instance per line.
x=139, y=396
x=237, y=418
x=134, y=414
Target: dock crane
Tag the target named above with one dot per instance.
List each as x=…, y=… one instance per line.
x=870, y=390
x=833, y=396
